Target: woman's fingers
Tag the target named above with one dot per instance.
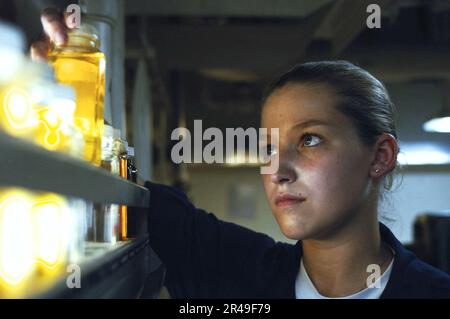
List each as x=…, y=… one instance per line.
x=70, y=21
x=39, y=51
x=53, y=23
x=54, y=26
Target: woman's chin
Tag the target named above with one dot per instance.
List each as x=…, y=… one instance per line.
x=295, y=231
x=293, y=224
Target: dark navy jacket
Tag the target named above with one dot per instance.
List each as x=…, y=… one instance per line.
x=209, y=258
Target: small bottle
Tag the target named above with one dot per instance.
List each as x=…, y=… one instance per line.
x=106, y=225
x=81, y=65
x=78, y=209
x=110, y=160
x=120, y=150
x=132, y=170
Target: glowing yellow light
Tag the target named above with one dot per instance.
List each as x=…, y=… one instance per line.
x=18, y=106
x=64, y=107
x=51, y=118
x=16, y=244
x=50, y=230
x=17, y=109
x=48, y=133
x=102, y=65
x=83, y=124
x=48, y=238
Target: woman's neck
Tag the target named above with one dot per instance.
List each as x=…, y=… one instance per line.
x=338, y=265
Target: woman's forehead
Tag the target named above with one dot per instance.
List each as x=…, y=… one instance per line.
x=299, y=102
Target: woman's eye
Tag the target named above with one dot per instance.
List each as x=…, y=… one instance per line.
x=311, y=140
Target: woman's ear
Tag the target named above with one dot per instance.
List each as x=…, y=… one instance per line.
x=386, y=150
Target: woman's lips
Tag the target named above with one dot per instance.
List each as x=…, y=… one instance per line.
x=286, y=200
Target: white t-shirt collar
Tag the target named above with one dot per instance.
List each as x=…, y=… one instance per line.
x=305, y=289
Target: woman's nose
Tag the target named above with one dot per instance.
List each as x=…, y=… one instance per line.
x=285, y=174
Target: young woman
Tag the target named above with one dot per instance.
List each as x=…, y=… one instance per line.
x=337, y=150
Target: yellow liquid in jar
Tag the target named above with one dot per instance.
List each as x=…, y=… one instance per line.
x=16, y=242
x=50, y=219
x=34, y=237
x=123, y=209
x=50, y=131
x=85, y=72
x=16, y=114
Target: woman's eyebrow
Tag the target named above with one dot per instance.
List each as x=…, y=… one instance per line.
x=311, y=122
x=302, y=124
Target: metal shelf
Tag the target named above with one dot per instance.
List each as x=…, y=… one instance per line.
x=29, y=166
x=121, y=271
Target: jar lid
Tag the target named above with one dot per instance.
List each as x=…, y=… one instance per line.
x=83, y=35
x=11, y=37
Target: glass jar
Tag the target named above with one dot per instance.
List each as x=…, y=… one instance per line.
x=50, y=215
x=16, y=241
x=17, y=263
x=16, y=116
x=81, y=65
x=63, y=104
x=35, y=233
x=54, y=108
x=78, y=212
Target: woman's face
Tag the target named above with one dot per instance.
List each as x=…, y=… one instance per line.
x=323, y=177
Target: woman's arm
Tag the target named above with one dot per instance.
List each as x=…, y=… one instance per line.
x=206, y=257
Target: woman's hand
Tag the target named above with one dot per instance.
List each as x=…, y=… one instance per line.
x=55, y=26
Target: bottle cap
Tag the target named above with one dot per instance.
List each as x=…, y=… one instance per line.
x=85, y=34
